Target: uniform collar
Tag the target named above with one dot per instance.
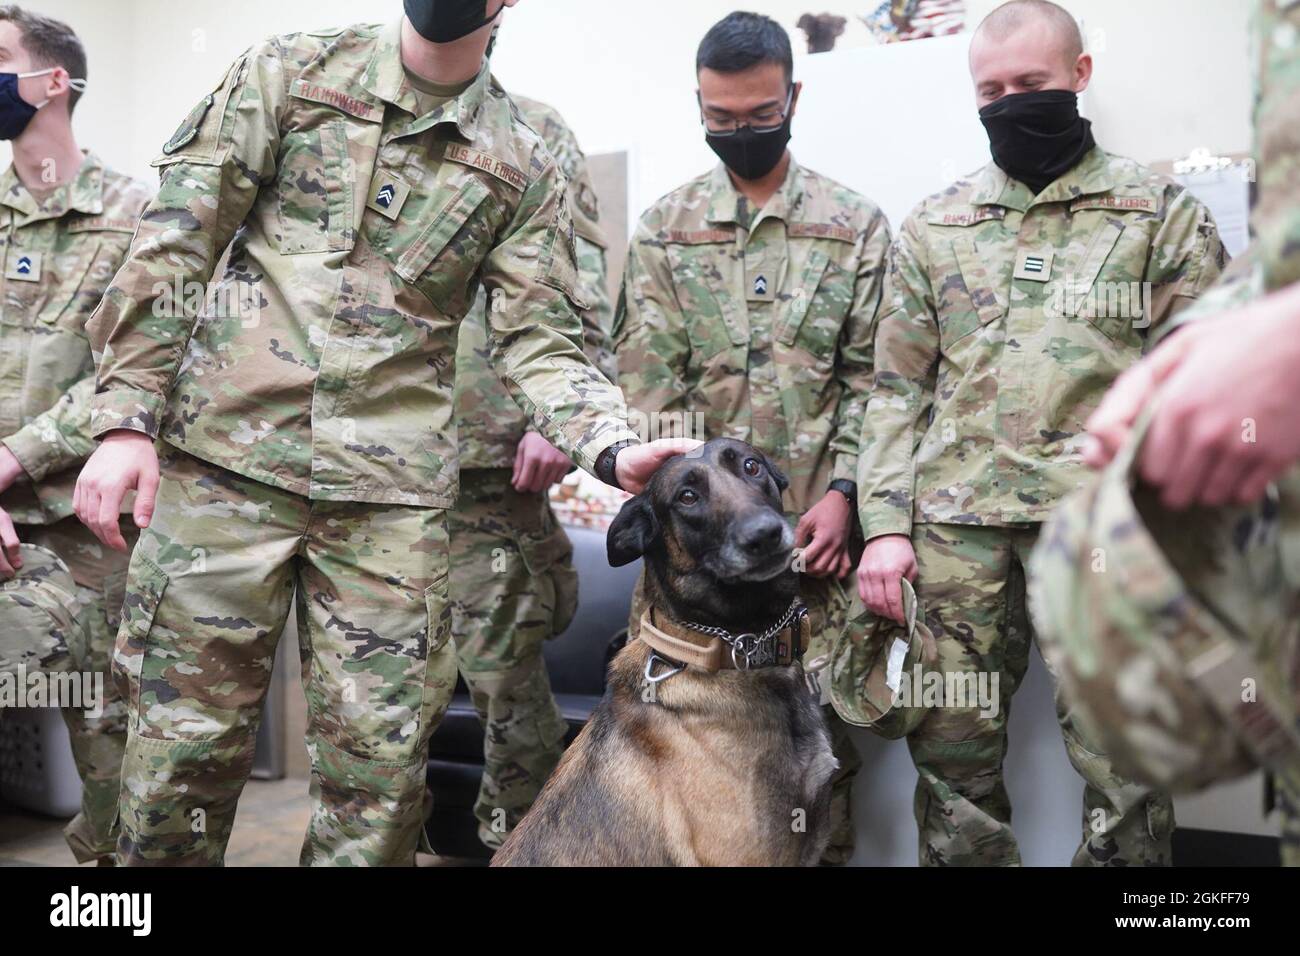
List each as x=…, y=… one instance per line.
x=85, y=194
x=1090, y=175
x=385, y=78
x=724, y=198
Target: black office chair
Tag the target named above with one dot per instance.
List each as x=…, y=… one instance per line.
x=576, y=661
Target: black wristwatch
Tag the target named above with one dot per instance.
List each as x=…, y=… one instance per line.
x=607, y=459
x=849, y=489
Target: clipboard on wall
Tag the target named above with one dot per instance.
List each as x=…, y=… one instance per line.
x=1223, y=184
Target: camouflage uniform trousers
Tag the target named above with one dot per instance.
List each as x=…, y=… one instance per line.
x=512, y=587
x=209, y=590
x=971, y=583
x=98, y=743
x=828, y=604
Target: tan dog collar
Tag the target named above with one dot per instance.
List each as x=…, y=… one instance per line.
x=714, y=648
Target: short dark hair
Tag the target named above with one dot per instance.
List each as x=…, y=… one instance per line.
x=50, y=42
x=741, y=40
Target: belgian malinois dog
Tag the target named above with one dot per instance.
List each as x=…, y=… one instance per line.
x=708, y=747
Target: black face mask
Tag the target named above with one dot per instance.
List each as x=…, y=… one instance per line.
x=441, y=21
x=1037, y=137
x=748, y=154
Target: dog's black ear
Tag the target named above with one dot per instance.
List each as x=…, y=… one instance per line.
x=632, y=532
x=782, y=482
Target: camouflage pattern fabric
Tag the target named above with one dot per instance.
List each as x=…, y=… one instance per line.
x=489, y=423
x=512, y=588
x=60, y=255
x=326, y=365
x=1006, y=318
x=98, y=743
x=1229, y=576
x=512, y=582
x=971, y=583
x=759, y=322
x=210, y=587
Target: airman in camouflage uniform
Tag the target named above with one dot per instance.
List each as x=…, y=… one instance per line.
x=61, y=245
x=786, y=367
x=308, y=415
x=998, y=336
x=512, y=580
x=1251, y=578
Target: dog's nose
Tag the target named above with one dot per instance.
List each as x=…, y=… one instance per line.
x=762, y=534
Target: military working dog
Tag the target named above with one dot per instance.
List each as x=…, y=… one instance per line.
x=708, y=747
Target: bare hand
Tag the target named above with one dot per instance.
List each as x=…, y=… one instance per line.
x=124, y=461
x=10, y=559
x=1225, y=424
x=636, y=463
x=538, y=464
x=826, y=524
x=885, y=562
x=11, y=469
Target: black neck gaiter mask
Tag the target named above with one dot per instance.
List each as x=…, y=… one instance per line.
x=441, y=21
x=1037, y=137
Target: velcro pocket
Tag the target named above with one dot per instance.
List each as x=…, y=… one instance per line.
x=437, y=604
x=448, y=221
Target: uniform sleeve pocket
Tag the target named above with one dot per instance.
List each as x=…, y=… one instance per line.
x=146, y=583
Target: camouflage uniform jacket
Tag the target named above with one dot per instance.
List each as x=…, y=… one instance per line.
x=361, y=234
x=762, y=329
x=58, y=259
x=1006, y=318
x=488, y=422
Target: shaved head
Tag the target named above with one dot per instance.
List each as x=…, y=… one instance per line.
x=1025, y=46
x=1017, y=14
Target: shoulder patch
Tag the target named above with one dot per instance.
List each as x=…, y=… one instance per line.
x=1119, y=203
x=487, y=163
x=820, y=230
x=336, y=98
x=686, y=237
x=101, y=224
x=189, y=127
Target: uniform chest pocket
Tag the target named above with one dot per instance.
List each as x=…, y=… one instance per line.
x=708, y=291
x=973, y=291
x=315, y=190
x=818, y=307
x=1106, y=287
x=445, y=256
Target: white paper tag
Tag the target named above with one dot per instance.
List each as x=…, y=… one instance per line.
x=894, y=669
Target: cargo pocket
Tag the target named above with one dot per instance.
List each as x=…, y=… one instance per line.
x=315, y=191
x=548, y=556
x=437, y=606
x=145, y=584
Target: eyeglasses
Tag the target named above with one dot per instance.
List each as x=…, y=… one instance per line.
x=764, y=121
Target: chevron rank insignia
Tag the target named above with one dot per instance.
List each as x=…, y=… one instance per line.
x=23, y=266
x=387, y=194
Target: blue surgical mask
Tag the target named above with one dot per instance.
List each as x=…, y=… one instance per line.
x=16, y=112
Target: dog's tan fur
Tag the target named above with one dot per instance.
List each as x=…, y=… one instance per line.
x=725, y=769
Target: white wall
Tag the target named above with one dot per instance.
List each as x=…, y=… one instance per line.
x=1171, y=74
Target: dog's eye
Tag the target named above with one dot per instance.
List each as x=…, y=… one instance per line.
x=751, y=467
x=687, y=496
